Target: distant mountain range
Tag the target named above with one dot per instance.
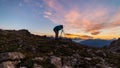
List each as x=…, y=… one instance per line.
x=95, y=42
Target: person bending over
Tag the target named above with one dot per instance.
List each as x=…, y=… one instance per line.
x=57, y=29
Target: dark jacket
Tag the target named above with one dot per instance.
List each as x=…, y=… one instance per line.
x=57, y=28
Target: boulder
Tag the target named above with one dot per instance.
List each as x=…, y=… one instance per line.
x=11, y=56
x=38, y=66
x=56, y=61
x=115, y=46
x=7, y=64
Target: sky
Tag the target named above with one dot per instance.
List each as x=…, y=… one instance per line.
x=89, y=19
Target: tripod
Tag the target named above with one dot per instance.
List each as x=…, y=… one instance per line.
x=62, y=33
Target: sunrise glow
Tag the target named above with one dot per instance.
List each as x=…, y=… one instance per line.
x=85, y=19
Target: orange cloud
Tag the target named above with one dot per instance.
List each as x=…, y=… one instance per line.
x=95, y=33
x=78, y=36
x=86, y=37
x=107, y=37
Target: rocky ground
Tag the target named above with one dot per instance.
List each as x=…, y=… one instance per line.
x=21, y=49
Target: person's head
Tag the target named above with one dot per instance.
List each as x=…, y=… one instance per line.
x=61, y=26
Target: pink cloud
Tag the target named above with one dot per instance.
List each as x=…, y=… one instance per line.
x=47, y=13
x=116, y=19
x=89, y=20
x=54, y=5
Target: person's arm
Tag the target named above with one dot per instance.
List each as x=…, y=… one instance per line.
x=62, y=31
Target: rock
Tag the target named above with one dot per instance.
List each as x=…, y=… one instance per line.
x=115, y=46
x=24, y=32
x=11, y=56
x=38, y=58
x=37, y=66
x=23, y=67
x=56, y=61
x=66, y=67
x=7, y=64
x=10, y=59
x=88, y=58
x=100, y=53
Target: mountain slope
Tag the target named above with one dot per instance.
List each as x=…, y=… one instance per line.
x=22, y=49
x=115, y=46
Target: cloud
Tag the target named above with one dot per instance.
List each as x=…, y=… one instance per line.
x=86, y=37
x=95, y=33
x=78, y=36
x=47, y=13
x=116, y=19
x=72, y=35
x=54, y=5
x=75, y=15
x=34, y=4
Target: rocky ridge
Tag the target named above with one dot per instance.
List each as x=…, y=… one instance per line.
x=21, y=49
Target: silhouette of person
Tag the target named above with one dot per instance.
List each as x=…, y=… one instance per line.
x=57, y=29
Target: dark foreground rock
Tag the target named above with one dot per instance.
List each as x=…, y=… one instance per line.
x=115, y=46
x=21, y=49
